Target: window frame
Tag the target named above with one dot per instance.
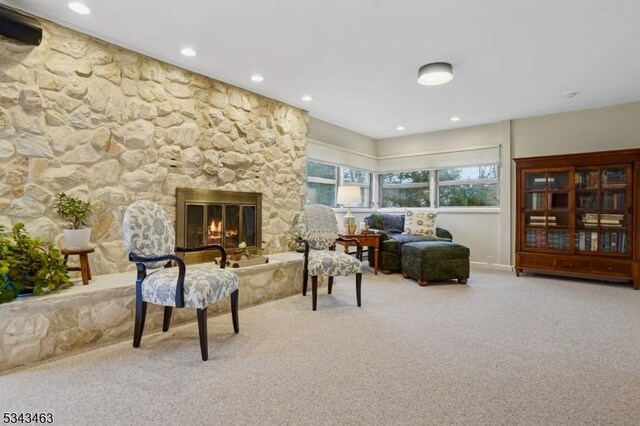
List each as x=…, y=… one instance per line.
x=409, y=185
x=339, y=181
x=470, y=182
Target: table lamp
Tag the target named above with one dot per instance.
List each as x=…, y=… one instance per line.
x=348, y=195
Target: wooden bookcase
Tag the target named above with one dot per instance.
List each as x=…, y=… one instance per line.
x=579, y=214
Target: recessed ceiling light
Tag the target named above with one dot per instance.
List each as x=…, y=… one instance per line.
x=455, y=118
x=307, y=98
x=257, y=78
x=435, y=74
x=570, y=94
x=187, y=51
x=400, y=128
x=80, y=8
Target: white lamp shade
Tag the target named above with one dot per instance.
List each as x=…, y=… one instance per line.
x=435, y=73
x=349, y=195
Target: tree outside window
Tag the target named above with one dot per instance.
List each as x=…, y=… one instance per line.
x=405, y=189
x=468, y=186
x=321, y=183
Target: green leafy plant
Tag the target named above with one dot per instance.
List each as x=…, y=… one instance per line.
x=72, y=209
x=294, y=235
x=29, y=265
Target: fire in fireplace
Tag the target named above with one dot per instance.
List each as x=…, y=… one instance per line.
x=218, y=217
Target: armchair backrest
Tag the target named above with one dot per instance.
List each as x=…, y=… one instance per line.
x=147, y=231
x=320, y=227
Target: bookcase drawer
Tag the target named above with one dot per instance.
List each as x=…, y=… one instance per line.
x=611, y=268
x=578, y=265
x=535, y=261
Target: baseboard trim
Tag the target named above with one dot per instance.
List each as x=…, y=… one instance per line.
x=495, y=266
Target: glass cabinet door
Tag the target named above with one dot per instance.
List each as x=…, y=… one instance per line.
x=602, y=217
x=546, y=209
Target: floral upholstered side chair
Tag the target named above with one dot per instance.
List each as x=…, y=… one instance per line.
x=320, y=233
x=150, y=239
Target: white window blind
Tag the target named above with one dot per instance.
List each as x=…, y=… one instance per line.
x=440, y=160
x=326, y=153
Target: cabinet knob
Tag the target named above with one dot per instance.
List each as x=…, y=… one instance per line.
x=610, y=268
x=571, y=264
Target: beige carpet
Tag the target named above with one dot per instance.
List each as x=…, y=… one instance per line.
x=501, y=350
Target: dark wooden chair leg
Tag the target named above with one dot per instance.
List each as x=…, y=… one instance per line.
x=141, y=314
x=166, y=321
x=234, y=311
x=314, y=291
x=305, y=280
x=202, y=330
x=359, y=289
x=330, y=286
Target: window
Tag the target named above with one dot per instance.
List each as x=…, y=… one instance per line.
x=361, y=178
x=405, y=189
x=468, y=186
x=322, y=180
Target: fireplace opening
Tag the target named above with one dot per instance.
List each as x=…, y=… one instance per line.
x=217, y=217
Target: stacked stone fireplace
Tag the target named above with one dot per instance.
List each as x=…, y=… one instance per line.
x=227, y=218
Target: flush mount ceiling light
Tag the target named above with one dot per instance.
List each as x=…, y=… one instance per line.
x=435, y=73
x=257, y=78
x=187, y=51
x=307, y=98
x=400, y=128
x=455, y=118
x=80, y=8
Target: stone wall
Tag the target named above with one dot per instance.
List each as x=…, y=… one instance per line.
x=97, y=121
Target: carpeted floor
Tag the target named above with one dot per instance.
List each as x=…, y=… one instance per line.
x=501, y=350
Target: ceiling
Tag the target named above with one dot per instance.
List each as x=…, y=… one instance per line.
x=359, y=58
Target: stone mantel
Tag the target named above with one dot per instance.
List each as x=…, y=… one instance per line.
x=34, y=328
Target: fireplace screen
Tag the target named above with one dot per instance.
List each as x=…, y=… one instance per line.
x=218, y=217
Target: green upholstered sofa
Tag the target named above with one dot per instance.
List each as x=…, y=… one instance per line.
x=390, y=227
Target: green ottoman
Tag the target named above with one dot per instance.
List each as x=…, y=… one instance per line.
x=435, y=261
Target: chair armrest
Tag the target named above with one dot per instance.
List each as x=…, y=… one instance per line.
x=141, y=261
x=223, y=251
x=383, y=234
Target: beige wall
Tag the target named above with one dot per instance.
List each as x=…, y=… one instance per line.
x=600, y=129
x=322, y=131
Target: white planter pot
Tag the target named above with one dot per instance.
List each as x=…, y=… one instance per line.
x=76, y=238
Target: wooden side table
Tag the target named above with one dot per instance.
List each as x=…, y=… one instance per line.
x=84, y=267
x=368, y=240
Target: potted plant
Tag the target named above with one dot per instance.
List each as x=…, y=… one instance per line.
x=294, y=234
x=29, y=265
x=75, y=211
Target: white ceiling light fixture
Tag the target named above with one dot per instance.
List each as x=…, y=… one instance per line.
x=257, y=78
x=80, y=8
x=188, y=51
x=400, y=128
x=455, y=118
x=435, y=73
x=307, y=98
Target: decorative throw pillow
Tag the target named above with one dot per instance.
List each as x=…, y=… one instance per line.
x=420, y=222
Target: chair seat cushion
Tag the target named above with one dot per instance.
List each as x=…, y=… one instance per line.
x=203, y=285
x=331, y=263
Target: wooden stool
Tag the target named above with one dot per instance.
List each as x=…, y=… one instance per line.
x=84, y=268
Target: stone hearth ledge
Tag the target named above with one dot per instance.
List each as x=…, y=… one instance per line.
x=34, y=328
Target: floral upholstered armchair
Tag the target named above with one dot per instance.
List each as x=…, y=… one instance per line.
x=150, y=239
x=320, y=232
